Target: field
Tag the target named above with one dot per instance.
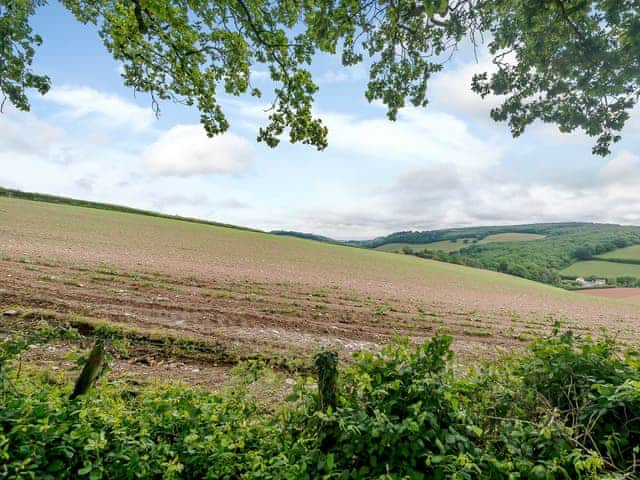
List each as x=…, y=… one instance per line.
x=511, y=237
x=195, y=298
x=601, y=269
x=627, y=293
x=444, y=245
x=452, y=246
x=628, y=253
x=210, y=334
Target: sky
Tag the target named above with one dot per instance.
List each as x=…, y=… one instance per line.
x=446, y=165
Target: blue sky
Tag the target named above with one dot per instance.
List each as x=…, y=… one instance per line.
x=443, y=166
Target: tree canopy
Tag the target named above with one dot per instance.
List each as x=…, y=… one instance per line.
x=575, y=63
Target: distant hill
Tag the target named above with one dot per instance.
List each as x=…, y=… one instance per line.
x=306, y=236
x=43, y=197
x=477, y=233
x=542, y=251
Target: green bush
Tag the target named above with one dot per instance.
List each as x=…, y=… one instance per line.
x=396, y=418
x=569, y=409
x=594, y=388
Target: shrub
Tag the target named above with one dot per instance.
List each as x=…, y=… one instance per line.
x=570, y=408
x=396, y=418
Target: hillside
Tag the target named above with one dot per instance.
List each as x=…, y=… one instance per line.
x=543, y=252
x=240, y=314
x=254, y=293
x=43, y=197
x=552, y=253
x=457, y=244
x=473, y=233
x=540, y=252
x=620, y=267
x=306, y=236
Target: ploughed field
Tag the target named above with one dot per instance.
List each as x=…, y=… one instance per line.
x=192, y=299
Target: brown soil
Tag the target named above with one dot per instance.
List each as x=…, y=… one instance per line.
x=137, y=366
x=630, y=293
x=263, y=296
x=277, y=319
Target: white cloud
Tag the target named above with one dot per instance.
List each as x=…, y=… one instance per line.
x=352, y=74
x=24, y=133
x=83, y=101
x=427, y=170
x=443, y=195
x=450, y=90
x=418, y=136
x=186, y=150
x=259, y=74
x=250, y=109
x=622, y=171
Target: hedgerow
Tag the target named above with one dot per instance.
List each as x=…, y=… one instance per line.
x=568, y=408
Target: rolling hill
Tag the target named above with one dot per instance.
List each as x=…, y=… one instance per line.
x=508, y=232
x=256, y=293
x=545, y=253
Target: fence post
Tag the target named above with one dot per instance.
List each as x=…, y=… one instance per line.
x=326, y=363
x=91, y=370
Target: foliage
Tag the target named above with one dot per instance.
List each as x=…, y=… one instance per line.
x=398, y=418
x=541, y=260
x=590, y=387
x=627, y=281
x=17, y=49
x=569, y=62
x=475, y=233
x=576, y=64
x=166, y=432
x=570, y=408
x=326, y=363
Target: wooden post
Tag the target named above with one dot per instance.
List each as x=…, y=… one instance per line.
x=90, y=371
x=326, y=363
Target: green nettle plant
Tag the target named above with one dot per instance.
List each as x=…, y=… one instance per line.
x=567, y=409
x=574, y=63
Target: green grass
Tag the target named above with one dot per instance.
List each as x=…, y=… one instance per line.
x=511, y=237
x=628, y=253
x=601, y=269
x=452, y=246
x=444, y=245
x=41, y=197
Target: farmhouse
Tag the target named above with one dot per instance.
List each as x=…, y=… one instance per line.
x=598, y=282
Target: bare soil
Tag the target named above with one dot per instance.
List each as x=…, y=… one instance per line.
x=630, y=293
x=259, y=295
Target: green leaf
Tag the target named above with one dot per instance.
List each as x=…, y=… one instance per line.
x=329, y=462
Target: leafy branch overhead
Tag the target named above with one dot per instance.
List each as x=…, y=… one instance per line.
x=575, y=63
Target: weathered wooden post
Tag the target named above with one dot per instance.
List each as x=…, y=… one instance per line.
x=326, y=363
x=91, y=370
